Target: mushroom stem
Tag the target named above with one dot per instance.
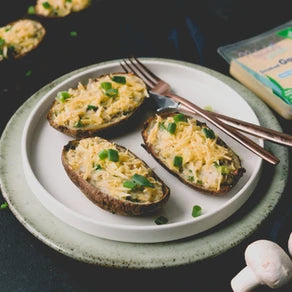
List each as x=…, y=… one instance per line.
x=245, y=280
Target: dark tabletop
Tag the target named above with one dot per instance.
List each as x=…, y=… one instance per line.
x=112, y=30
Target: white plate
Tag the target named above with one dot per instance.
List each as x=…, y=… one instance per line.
x=42, y=146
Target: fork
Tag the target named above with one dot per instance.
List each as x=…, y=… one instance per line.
x=159, y=86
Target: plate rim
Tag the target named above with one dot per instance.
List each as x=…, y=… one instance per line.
x=218, y=75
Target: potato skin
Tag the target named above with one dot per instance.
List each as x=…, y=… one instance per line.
x=83, y=133
x=108, y=202
x=236, y=175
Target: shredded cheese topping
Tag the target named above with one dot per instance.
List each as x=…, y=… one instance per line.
x=109, y=176
x=60, y=8
x=20, y=37
x=76, y=111
x=202, y=158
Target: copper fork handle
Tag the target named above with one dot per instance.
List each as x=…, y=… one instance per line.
x=249, y=144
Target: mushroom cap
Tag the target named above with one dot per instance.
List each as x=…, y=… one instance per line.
x=269, y=262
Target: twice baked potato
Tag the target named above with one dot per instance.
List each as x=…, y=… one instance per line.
x=193, y=152
x=104, y=102
x=113, y=178
x=20, y=37
x=59, y=8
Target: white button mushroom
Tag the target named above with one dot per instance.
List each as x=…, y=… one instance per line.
x=267, y=264
x=290, y=244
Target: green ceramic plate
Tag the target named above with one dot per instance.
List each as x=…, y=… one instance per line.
x=88, y=248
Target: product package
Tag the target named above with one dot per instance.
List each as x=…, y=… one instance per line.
x=264, y=65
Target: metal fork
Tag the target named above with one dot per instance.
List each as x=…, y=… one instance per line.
x=159, y=86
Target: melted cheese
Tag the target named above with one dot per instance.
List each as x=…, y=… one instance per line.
x=108, y=109
x=20, y=37
x=111, y=175
x=60, y=8
x=200, y=154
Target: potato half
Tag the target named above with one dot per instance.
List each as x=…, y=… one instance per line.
x=193, y=152
x=113, y=177
x=102, y=103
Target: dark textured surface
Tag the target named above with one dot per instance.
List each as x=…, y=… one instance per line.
x=109, y=30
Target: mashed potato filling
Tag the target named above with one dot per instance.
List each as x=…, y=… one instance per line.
x=20, y=37
x=112, y=176
x=191, y=150
x=104, y=101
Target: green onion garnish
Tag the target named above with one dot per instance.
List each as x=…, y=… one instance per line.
x=208, y=108
x=209, y=133
x=92, y=108
x=197, y=211
x=142, y=181
x=31, y=10
x=103, y=154
x=1, y=42
x=98, y=167
x=4, y=205
x=191, y=178
x=8, y=28
x=106, y=85
x=70, y=1
x=161, y=126
x=171, y=128
x=78, y=124
x=46, y=5
x=63, y=95
x=223, y=169
x=129, y=184
x=177, y=161
x=180, y=118
x=28, y=73
x=113, y=155
x=73, y=33
x=119, y=79
x=112, y=92
x=161, y=220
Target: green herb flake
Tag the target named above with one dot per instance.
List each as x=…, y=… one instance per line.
x=161, y=220
x=91, y=107
x=103, y=154
x=69, y=1
x=129, y=184
x=209, y=133
x=106, y=85
x=3, y=206
x=78, y=124
x=177, y=161
x=180, y=118
x=1, y=42
x=191, y=178
x=197, y=211
x=161, y=126
x=119, y=79
x=31, y=10
x=62, y=96
x=199, y=182
x=28, y=73
x=113, y=155
x=208, y=108
x=73, y=34
x=171, y=128
x=223, y=169
x=8, y=28
x=98, y=167
x=46, y=5
x=112, y=92
x=142, y=181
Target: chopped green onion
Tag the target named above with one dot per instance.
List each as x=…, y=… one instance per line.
x=113, y=155
x=208, y=108
x=103, y=154
x=63, y=95
x=92, y=108
x=180, y=118
x=197, y=211
x=129, y=184
x=4, y=205
x=70, y=1
x=119, y=79
x=171, y=128
x=1, y=42
x=161, y=220
x=98, y=167
x=8, y=28
x=112, y=92
x=177, y=161
x=199, y=182
x=223, y=169
x=142, y=181
x=31, y=10
x=216, y=164
x=78, y=124
x=73, y=33
x=161, y=126
x=209, y=133
x=106, y=85
x=191, y=178
x=28, y=73
x=46, y=5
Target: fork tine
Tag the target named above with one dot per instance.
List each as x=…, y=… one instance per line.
x=150, y=74
x=124, y=67
x=142, y=74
